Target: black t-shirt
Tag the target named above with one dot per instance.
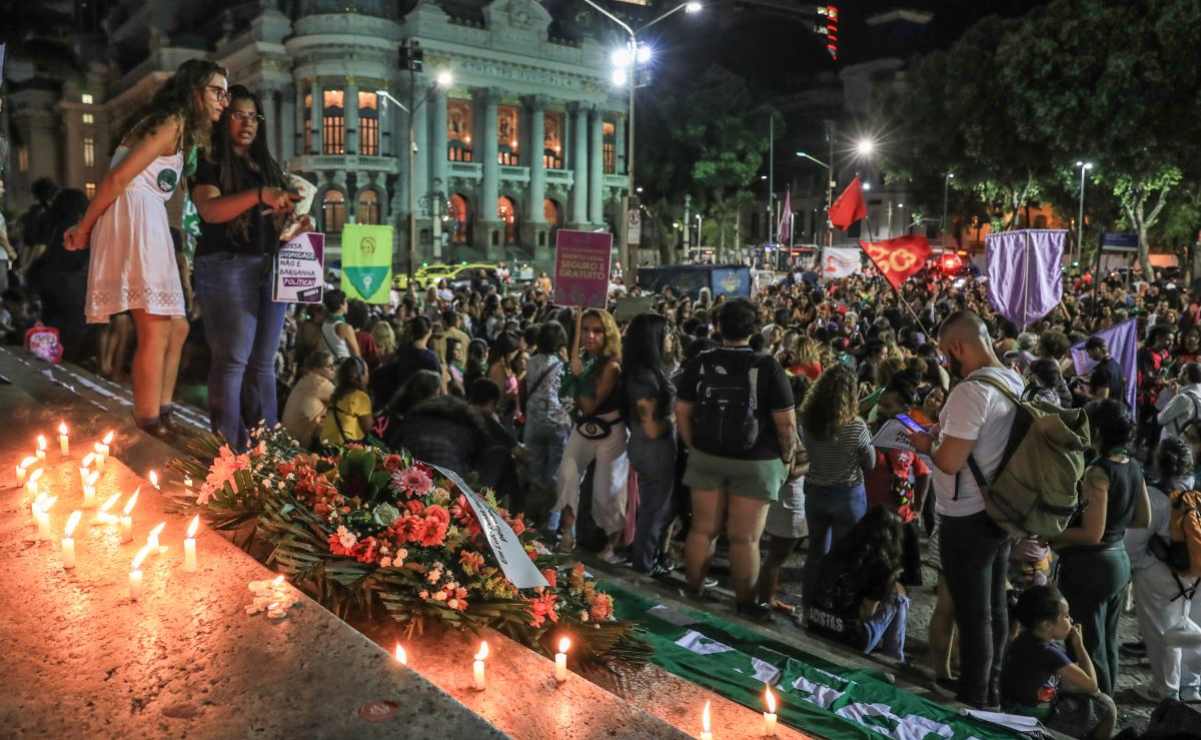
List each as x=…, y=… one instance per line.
x=1030, y=676
x=251, y=233
x=1108, y=374
x=641, y=385
x=394, y=373
x=774, y=390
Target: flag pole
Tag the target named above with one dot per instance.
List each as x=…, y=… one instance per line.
x=895, y=290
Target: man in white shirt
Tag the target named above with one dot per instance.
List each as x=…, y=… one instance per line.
x=1185, y=405
x=975, y=422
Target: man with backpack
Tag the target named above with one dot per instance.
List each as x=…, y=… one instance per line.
x=1185, y=406
x=735, y=415
x=974, y=425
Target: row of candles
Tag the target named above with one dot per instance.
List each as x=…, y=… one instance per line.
x=29, y=474
x=479, y=682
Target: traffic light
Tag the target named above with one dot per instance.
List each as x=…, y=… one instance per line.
x=830, y=29
x=412, y=57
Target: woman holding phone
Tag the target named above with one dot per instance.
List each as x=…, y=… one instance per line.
x=132, y=267
x=240, y=193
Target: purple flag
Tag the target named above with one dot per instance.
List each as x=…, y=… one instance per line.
x=784, y=230
x=1025, y=280
x=1122, y=341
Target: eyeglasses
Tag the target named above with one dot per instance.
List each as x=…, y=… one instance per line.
x=220, y=93
x=246, y=117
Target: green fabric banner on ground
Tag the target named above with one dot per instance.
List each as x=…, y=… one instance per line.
x=815, y=696
x=367, y=262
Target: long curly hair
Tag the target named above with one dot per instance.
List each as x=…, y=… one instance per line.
x=831, y=403
x=612, y=347
x=235, y=171
x=180, y=99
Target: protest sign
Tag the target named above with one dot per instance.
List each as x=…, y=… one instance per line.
x=367, y=262
x=300, y=270
x=505, y=543
x=582, y=263
x=839, y=262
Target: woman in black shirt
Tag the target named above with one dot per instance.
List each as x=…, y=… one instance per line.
x=239, y=190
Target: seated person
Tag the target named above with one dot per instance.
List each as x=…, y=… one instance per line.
x=858, y=598
x=350, y=417
x=1040, y=679
x=304, y=411
x=439, y=429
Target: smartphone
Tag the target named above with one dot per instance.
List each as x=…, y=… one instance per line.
x=909, y=423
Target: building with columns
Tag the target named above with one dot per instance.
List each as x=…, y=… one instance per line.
x=529, y=137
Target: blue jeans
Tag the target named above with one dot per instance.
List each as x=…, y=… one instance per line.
x=655, y=462
x=886, y=627
x=242, y=326
x=830, y=512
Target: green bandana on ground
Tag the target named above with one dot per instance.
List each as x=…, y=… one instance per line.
x=815, y=696
x=367, y=262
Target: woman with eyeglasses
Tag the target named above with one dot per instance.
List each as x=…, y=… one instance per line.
x=241, y=196
x=132, y=268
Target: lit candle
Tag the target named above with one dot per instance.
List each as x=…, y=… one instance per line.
x=31, y=485
x=769, y=717
x=41, y=447
x=477, y=668
x=42, y=516
x=561, y=660
x=102, y=450
x=152, y=539
x=102, y=515
x=127, y=517
x=69, y=540
x=23, y=468
x=63, y=443
x=189, y=546
x=135, y=574
x=400, y=654
x=89, y=489
x=706, y=732
x=154, y=479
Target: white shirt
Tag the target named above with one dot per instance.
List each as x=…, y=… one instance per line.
x=1183, y=408
x=975, y=411
x=1137, y=540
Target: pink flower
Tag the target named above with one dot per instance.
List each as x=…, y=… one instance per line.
x=222, y=471
x=414, y=480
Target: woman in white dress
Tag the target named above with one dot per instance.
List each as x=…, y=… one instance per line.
x=132, y=266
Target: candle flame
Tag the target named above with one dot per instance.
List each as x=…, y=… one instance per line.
x=564, y=645
x=88, y=459
x=771, y=701
x=41, y=441
x=154, y=533
x=62, y=428
x=483, y=653
x=137, y=559
x=132, y=500
x=72, y=522
x=193, y=526
x=153, y=479
x=705, y=719
x=28, y=461
x=110, y=503
x=108, y=439
x=401, y=656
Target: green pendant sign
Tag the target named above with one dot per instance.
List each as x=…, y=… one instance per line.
x=367, y=262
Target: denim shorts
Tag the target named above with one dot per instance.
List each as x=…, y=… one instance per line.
x=758, y=479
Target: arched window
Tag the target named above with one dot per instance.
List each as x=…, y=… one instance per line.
x=551, y=211
x=609, y=147
x=460, y=219
x=333, y=125
x=368, y=126
x=333, y=211
x=506, y=210
x=366, y=211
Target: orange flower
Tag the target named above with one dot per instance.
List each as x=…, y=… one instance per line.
x=551, y=576
x=600, y=607
x=471, y=561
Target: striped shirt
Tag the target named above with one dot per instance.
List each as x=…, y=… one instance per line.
x=840, y=460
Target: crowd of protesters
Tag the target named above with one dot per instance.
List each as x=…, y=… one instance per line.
x=701, y=421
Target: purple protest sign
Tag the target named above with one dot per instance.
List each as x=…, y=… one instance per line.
x=1122, y=341
x=582, y=263
x=1025, y=280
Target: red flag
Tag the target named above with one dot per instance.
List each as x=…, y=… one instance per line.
x=898, y=258
x=849, y=207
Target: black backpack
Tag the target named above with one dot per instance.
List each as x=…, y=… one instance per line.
x=726, y=417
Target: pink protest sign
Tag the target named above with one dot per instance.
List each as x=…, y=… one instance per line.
x=582, y=262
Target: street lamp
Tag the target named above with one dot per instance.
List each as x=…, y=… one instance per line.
x=444, y=79
x=1084, y=167
x=865, y=147
x=829, y=184
x=946, y=182
x=640, y=54
x=867, y=186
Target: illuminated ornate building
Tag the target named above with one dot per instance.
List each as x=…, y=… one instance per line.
x=530, y=137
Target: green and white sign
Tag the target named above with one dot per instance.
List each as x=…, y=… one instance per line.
x=367, y=262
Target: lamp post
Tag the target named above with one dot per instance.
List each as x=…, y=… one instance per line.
x=829, y=188
x=1084, y=167
x=946, y=182
x=636, y=55
x=443, y=80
